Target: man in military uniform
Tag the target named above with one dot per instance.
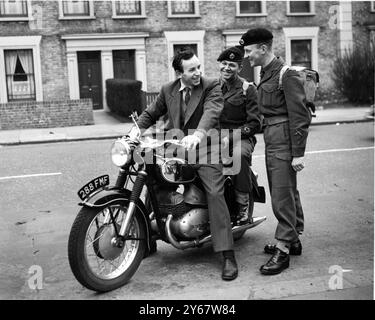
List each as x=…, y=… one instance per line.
x=286, y=123
x=240, y=112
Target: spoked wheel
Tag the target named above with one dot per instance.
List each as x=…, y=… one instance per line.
x=97, y=257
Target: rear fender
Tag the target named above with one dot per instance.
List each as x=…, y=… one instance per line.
x=106, y=196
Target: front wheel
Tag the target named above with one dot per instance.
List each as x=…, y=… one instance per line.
x=96, y=259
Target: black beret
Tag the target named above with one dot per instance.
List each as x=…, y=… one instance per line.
x=234, y=54
x=257, y=35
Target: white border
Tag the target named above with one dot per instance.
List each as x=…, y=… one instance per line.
x=90, y=16
x=306, y=33
x=195, y=15
x=123, y=16
x=184, y=37
x=20, y=43
x=263, y=12
x=311, y=13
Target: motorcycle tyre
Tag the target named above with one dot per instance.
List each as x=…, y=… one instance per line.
x=78, y=263
x=239, y=235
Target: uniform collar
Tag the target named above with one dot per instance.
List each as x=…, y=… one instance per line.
x=272, y=66
x=233, y=83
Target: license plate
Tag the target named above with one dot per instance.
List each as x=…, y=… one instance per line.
x=93, y=185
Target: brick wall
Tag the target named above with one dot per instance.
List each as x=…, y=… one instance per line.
x=215, y=17
x=46, y=114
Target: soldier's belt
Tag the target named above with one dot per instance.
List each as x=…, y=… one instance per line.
x=275, y=120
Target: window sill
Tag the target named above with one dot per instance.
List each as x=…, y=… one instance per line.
x=16, y=19
x=78, y=18
x=129, y=17
x=179, y=16
x=302, y=14
x=251, y=15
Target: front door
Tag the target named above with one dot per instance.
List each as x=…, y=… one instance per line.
x=90, y=77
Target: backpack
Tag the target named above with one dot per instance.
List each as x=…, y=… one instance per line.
x=310, y=83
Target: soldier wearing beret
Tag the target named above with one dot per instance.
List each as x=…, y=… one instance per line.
x=286, y=123
x=240, y=112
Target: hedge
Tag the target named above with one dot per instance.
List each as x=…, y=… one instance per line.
x=125, y=96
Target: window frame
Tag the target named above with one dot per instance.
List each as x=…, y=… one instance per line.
x=304, y=33
x=184, y=37
x=124, y=16
x=77, y=17
x=29, y=16
x=21, y=43
x=311, y=13
x=372, y=6
x=195, y=15
x=263, y=12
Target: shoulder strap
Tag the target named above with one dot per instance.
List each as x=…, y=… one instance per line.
x=283, y=69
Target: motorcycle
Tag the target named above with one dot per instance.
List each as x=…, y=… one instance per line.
x=115, y=229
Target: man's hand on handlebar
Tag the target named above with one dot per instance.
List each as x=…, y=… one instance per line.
x=190, y=142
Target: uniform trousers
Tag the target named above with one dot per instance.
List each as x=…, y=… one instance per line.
x=282, y=180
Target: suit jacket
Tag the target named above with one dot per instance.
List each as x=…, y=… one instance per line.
x=202, y=112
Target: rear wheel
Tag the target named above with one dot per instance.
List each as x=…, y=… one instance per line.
x=97, y=260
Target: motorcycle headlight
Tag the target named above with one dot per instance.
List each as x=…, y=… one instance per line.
x=120, y=153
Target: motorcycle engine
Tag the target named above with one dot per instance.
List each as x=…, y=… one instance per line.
x=191, y=225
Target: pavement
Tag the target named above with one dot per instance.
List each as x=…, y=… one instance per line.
x=109, y=127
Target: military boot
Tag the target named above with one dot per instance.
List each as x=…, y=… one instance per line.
x=242, y=200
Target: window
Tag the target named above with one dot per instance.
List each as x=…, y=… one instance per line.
x=178, y=39
x=15, y=10
x=300, y=8
x=301, y=47
x=124, y=64
x=19, y=72
x=251, y=8
x=73, y=9
x=301, y=53
x=372, y=6
x=128, y=9
x=179, y=9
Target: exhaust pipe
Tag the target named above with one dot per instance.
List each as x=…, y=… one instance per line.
x=196, y=243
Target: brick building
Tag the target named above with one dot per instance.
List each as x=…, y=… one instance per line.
x=59, y=53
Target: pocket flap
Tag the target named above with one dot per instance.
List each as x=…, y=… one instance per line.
x=268, y=87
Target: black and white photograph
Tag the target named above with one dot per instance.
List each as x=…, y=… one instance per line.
x=189, y=156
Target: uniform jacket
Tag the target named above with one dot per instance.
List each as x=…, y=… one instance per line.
x=291, y=102
x=240, y=110
x=202, y=113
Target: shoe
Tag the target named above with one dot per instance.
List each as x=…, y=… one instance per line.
x=243, y=214
x=294, y=250
x=230, y=269
x=278, y=263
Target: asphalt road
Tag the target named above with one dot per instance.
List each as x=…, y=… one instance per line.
x=337, y=191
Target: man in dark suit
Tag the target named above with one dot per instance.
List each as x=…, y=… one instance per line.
x=193, y=104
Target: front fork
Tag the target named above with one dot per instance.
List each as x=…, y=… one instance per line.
x=136, y=193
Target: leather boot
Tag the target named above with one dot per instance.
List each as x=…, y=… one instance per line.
x=230, y=269
x=278, y=262
x=242, y=200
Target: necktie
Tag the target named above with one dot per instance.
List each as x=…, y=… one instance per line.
x=187, y=96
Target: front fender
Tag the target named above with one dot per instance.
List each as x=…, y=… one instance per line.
x=106, y=196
